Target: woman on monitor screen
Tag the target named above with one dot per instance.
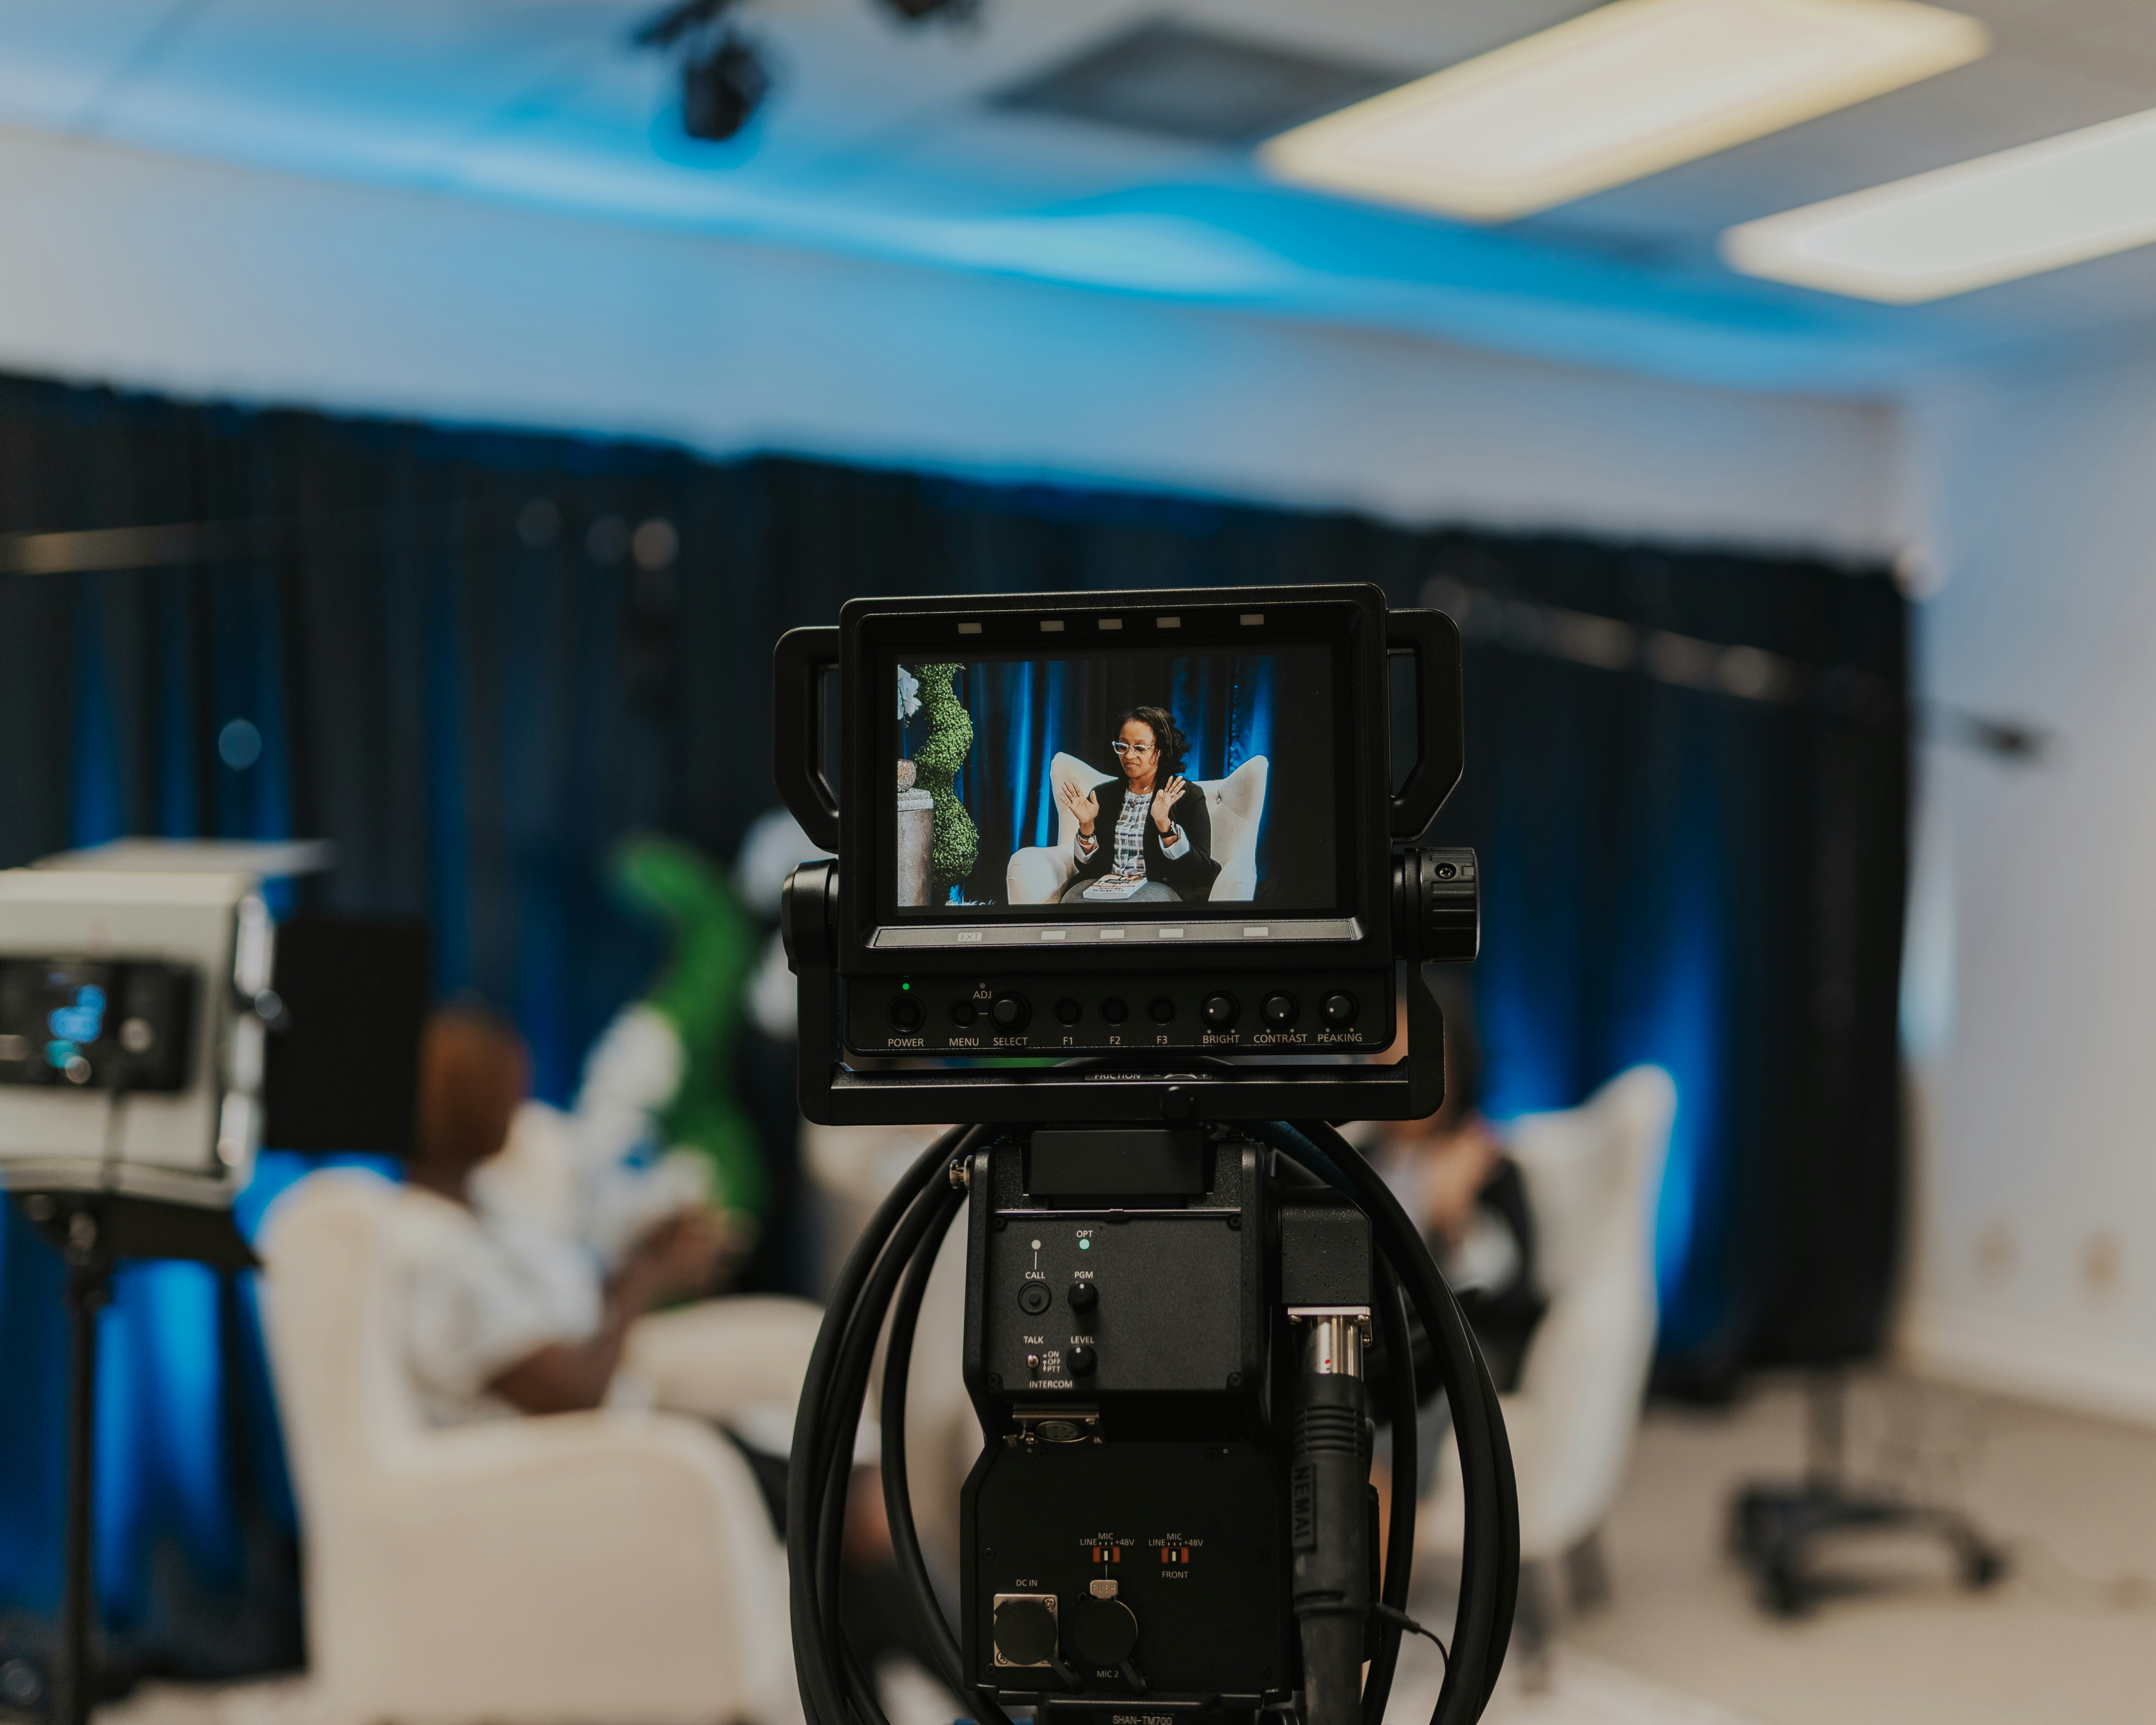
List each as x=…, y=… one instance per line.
x=1147, y=839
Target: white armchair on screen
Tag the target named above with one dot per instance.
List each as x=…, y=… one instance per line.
x=537, y=1571
x=1038, y=874
x=1594, y=1177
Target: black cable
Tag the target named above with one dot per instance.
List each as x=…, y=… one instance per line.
x=1490, y=1563
x=1482, y=1632
x=1397, y=1620
x=1392, y=1314
x=935, y=1634
x=822, y=1694
x=855, y=1361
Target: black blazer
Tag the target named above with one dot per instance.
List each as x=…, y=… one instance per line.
x=1191, y=874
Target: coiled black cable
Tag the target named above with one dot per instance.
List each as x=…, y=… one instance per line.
x=896, y=1255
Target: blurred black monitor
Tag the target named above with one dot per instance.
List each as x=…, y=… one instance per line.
x=342, y=1074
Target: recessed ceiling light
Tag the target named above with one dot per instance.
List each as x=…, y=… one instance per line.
x=2084, y=194
x=1622, y=91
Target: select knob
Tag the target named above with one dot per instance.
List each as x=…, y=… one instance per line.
x=1339, y=1010
x=1279, y=1010
x=1220, y=1012
x=1084, y=1296
x=1010, y=1012
x=1083, y=1359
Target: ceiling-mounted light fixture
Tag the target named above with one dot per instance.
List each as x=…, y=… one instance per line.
x=920, y=11
x=2064, y=200
x=720, y=87
x=1620, y=92
x=723, y=78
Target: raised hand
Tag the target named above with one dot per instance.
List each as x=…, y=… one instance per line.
x=1164, y=800
x=1083, y=804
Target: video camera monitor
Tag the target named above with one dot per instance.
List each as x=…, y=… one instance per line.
x=1128, y=827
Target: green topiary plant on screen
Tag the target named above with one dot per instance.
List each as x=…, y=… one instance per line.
x=950, y=736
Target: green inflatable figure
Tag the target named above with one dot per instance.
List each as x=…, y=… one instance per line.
x=716, y=945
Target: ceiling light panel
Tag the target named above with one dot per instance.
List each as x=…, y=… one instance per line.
x=2084, y=194
x=1619, y=93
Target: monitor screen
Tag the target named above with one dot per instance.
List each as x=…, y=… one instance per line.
x=1115, y=784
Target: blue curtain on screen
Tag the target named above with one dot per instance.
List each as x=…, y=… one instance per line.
x=455, y=664
x=1026, y=711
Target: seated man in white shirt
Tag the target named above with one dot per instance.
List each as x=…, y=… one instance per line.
x=504, y=1312
x=503, y=1315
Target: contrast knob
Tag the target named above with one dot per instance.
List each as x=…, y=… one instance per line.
x=1279, y=1010
x=1220, y=1012
x=1010, y=1012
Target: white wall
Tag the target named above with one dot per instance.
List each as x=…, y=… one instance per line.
x=207, y=280
x=2032, y=1003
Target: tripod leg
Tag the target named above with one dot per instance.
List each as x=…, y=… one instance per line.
x=86, y=1288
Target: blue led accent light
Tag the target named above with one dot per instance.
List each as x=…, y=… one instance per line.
x=82, y=1022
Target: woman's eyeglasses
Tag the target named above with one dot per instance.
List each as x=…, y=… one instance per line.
x=1131, y=748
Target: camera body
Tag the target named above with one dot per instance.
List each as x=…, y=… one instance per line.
x=1150, y=835
x=1118, y=889
x=1127, y=1531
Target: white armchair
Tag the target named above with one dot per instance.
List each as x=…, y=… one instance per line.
x=1038, y=874
x=1594, y=1174
x=564, y=1568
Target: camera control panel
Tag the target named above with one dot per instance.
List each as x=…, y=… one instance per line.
x=1283, y=1013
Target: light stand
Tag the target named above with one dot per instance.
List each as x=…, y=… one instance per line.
x=1774, y=1529
x=92, y=1231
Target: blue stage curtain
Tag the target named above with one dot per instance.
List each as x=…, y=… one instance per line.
x=456, y=669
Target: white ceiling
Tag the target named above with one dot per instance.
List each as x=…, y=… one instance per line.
x=879, y=139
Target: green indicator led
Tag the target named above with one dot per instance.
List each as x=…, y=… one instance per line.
x=1085, y=1246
